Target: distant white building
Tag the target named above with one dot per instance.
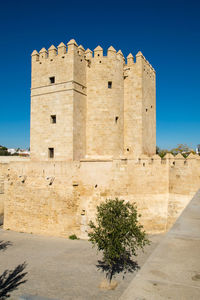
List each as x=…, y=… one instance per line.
x=198, y=149
x=23, y=152
x=11, y=151
x=20, y=152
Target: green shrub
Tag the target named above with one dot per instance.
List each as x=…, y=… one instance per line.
x=73, y=237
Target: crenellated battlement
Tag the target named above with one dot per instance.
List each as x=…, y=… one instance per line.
x=171, y=160
x=95, y=57
x=141, y=58
x=53, y=52
x=97, y=53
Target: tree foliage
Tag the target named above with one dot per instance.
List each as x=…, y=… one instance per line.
x=181, y=148
x=4, y=151
x=161, y=152
x=118, y=234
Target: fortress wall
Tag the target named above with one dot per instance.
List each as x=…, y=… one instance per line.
x=139, y=107
x=105, y=120
x=184, y=181
x=80, y=65
x=132, y=109
x=79, y=105
x=65, y=98
x=143, y=182
x=1, y=196
x=7, y=159
x=60, y=198
x=3, y=169
x=4, y=166
x=49, y=63
x=79, y=126
x=40, y=198
x=52, y=99
x=44, y=134
x=149, y=106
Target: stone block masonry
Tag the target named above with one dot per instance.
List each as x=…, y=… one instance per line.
x=60, y=198
x=93, y=137
x=87, y=105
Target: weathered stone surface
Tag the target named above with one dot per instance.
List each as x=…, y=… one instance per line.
x=91, y=118
x=59, y=198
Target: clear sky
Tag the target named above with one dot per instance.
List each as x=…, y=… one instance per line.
x=167, y=33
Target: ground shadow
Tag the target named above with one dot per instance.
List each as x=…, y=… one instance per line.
x=122, y=265
x=4, y=245
x=11, y=279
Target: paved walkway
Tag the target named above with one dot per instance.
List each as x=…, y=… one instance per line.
x=173, y=269
x=59, y=268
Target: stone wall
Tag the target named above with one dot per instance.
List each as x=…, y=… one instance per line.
x=105, y=108
x=98, y=102
x=4, y=166
x=65, y=99
x=60, y=198
x=1, y=197
x=8, y=159
x=184, y=181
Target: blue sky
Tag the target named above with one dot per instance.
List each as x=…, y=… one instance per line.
x=167, y=33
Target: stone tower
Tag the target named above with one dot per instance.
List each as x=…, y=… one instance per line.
x=91, y=106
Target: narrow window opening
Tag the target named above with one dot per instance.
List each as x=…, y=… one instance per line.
x=96, y=186
x=146, y=109
x=116, y=119
x=98, y=54
x=143, y=164
x=51, y=152
x=100, y=61
x=151, y=106
x=110, y=84
x=53, y=119
x=52, y=79
x=127, y=149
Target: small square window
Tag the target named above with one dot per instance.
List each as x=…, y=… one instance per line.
x=110, y=84
x=51, y=152
x=52, y=79
x=53, y=119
